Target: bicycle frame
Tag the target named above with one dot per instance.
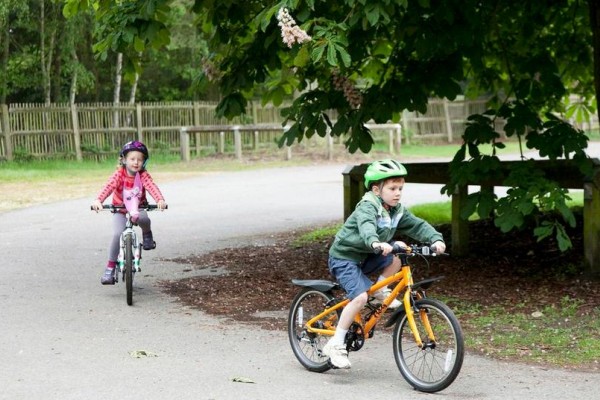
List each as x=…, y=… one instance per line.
x=428, y=362
x=405, y=282
x=129, y=231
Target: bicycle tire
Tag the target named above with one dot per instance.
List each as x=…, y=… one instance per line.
x=129, y=268
x=307, y=347
x=435, y=366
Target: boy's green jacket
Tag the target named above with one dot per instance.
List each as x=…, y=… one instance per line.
x=371, y=222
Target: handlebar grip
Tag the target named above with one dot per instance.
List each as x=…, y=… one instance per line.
x=397, y=249
x=153, y=207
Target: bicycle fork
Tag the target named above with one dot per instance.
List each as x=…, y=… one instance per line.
x=136, y=250
x=410, y=316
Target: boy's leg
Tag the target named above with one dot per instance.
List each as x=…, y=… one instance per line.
x=391, y=268
x=356, y=284
x=335, y=348
x=387, y=266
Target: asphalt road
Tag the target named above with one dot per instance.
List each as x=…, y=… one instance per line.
x=65, y=336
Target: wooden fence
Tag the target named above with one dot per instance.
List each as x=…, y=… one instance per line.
x=187, y=132
x=564, y=172
x=95, y=131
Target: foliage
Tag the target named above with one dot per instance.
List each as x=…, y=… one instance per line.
x=370, y=60
x=173, y=74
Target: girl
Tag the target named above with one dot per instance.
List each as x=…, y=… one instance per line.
x=132, y=162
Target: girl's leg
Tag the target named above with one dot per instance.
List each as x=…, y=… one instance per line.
x=108, y=278
x=144, y=223
x=119, y=221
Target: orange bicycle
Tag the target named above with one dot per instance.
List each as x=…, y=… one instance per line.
x=428, y=341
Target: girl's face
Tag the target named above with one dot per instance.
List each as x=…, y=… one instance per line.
x=391, y=191
x=134, y=161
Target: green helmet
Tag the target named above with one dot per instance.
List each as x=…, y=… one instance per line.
x=383, y=169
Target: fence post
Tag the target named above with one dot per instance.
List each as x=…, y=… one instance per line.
x=6, y=132
x=197, y=122
x=288, y=149
x=138, y=122
x=184, y=138
x=237, y=140
x=76, y=133
x=398, y=138
x=221, y=149
x=591, y=227
x=460, y=227
x=329, y=140
x=448, y=121
x=403, y=124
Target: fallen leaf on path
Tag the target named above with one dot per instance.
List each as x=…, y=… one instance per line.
x=142, y=353
x=241, y=379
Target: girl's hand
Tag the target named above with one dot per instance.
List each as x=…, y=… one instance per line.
x=161, y=205
x=97, y=205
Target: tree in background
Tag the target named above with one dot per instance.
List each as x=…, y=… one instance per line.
x=73, y=71
x=370, y=60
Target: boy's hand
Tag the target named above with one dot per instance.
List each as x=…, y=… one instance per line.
x=400, y=244
x=161, y=205
x=97, y=205
x=440, y=247
x=385, y=248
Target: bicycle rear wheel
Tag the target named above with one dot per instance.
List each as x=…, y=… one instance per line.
x=307, y=346
x=434, y=366
x=129, y=268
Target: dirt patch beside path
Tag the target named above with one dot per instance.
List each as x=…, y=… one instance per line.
x=510, y=271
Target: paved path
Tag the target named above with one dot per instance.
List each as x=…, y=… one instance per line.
x=64, y=336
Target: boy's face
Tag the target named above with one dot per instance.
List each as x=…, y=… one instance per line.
x=134, y=161
x=391, y=191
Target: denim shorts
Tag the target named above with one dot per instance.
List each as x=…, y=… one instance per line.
x=352, y=276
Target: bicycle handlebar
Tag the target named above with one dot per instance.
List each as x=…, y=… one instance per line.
x=414, y=249
x=112, y=208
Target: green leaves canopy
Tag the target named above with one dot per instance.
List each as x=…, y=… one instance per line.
x=368, y=60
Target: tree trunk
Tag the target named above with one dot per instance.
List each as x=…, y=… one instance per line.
x=117, y=91
x=132, y=97
x=73, y=89
x=46, y=59
x=595, y=25
x=134, y=89
x=5, y=38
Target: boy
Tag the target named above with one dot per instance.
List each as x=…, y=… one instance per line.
x=372, y=226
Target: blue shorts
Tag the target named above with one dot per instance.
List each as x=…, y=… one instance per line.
x=353, y=276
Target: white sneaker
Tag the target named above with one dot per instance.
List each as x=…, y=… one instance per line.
x=338, y=354
x=381, y=295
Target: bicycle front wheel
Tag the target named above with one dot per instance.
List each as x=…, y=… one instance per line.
x=435, y=365
x=308, y=346
x=129, y=268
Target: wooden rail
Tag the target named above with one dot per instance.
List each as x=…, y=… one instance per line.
x=564, y=172
x=394, y=137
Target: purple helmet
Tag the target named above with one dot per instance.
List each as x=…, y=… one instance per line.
x=137, y=146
